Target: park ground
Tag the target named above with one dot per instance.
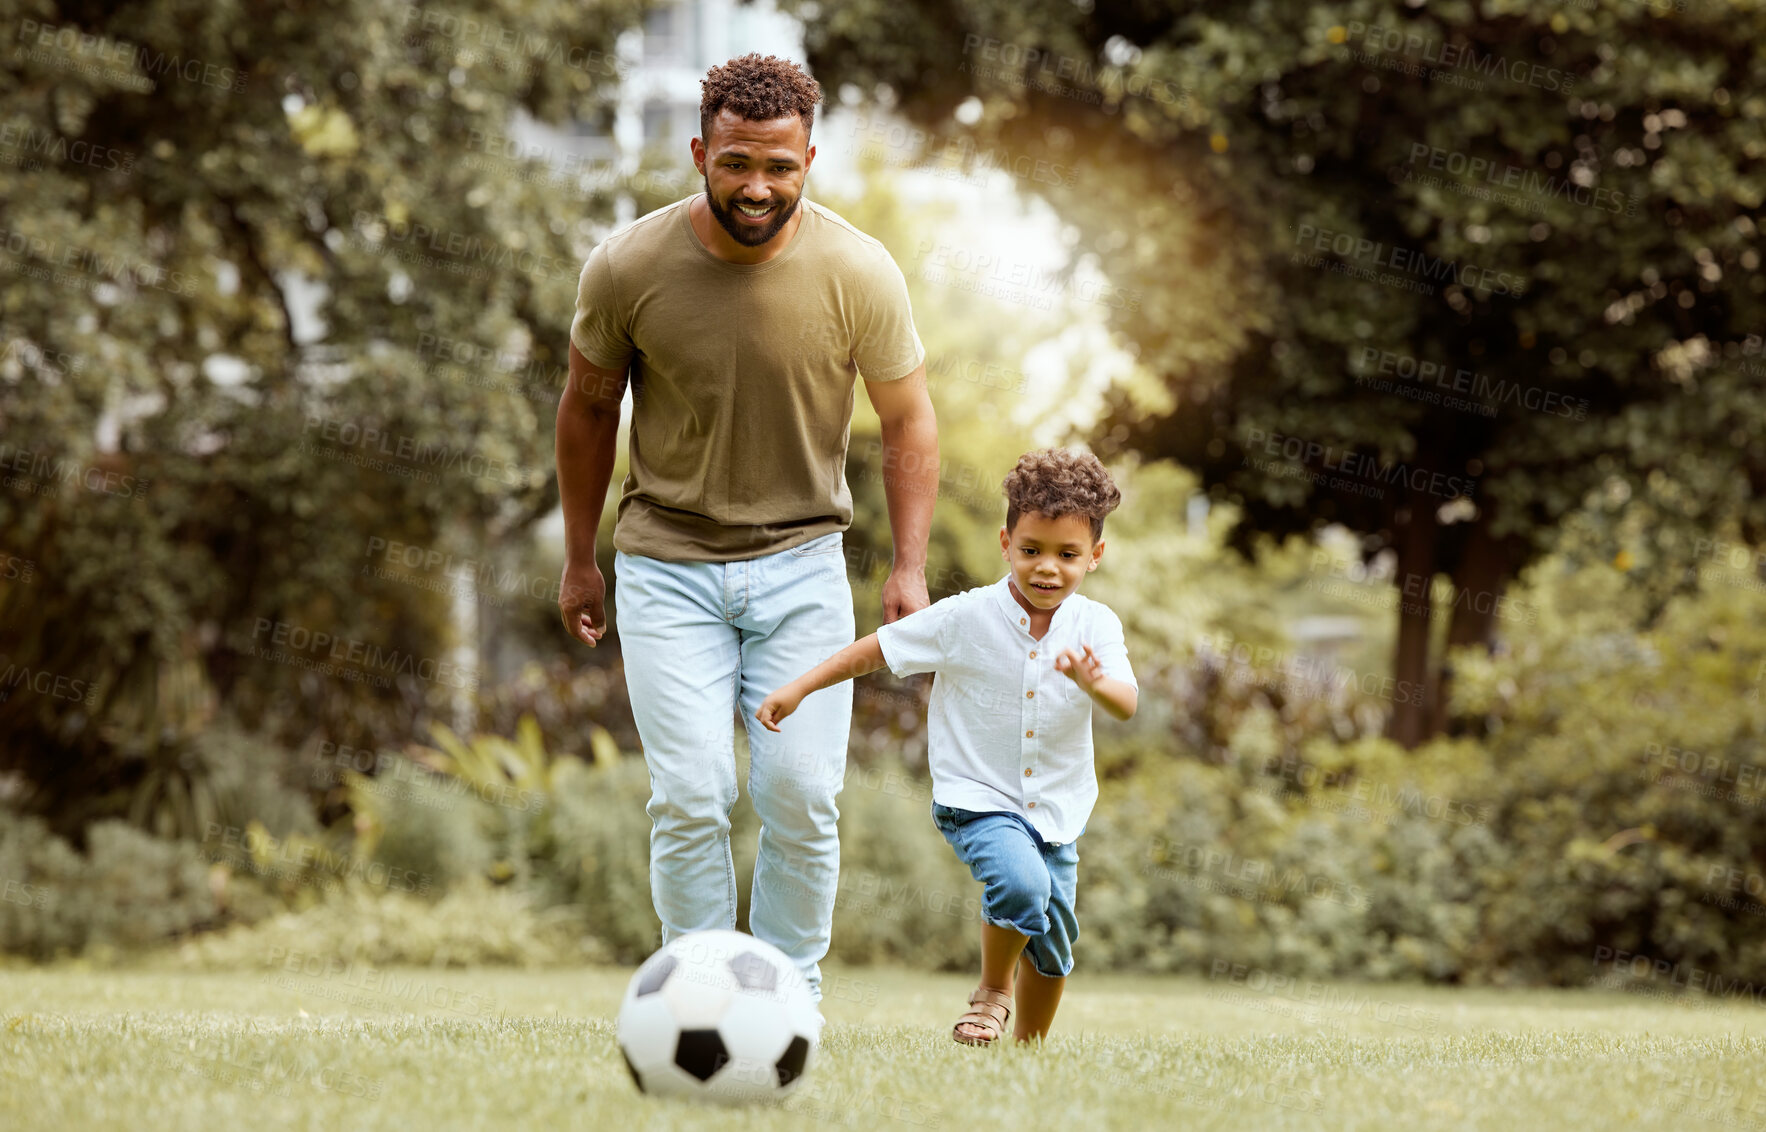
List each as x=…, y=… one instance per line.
x=438, y=1049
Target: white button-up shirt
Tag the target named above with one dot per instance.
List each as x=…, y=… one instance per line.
x=1006, y=731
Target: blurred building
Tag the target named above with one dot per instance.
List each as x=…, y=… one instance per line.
x=657, y=111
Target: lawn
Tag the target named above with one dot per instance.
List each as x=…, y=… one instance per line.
x=530, y=1050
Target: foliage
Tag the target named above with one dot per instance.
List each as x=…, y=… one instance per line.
x=286, y=311
x=126, y=891
x=1556, y=199
x=473, y=924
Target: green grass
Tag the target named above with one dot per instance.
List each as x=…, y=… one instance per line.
x=531, y=1050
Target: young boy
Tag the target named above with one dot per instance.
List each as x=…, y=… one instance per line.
x=1019, y=665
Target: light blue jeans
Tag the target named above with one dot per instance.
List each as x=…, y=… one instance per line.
x=702, y=640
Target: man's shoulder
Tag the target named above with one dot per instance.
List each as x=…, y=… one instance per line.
x=846, y=240
x=644, y=236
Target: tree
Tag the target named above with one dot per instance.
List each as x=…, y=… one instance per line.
x=278, y=295
x=1435, y=275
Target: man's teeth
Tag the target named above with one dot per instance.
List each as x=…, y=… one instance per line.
x=749, y=210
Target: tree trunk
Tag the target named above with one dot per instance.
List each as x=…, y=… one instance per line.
x=1478, y=583
x=1412, y=722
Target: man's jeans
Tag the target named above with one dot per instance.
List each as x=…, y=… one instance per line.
x=702, y=640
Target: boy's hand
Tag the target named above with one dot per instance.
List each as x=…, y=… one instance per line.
x=777, y=706
x=1084, y=670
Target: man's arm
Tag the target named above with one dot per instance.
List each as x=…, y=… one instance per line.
x=588, y=438
x=910, y=484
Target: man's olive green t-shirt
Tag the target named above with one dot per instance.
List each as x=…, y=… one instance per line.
x=742, y=378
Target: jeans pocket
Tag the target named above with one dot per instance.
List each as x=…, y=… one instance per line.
x=825, y=544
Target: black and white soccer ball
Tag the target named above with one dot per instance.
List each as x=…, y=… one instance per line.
x=718, y=1016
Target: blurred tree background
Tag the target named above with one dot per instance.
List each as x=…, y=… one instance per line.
x=1425, y=344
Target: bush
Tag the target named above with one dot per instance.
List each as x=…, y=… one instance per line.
x=127, y=890
x=473, y=925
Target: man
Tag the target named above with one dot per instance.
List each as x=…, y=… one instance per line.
x=743, y=316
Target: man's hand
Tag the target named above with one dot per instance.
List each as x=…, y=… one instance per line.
x=580, y=596
x=779, y=705
x=1085, y=670
x=904, y=593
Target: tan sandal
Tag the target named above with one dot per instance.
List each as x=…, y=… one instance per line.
x=992, y=1010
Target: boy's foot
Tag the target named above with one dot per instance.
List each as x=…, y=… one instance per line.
x=986, y=1021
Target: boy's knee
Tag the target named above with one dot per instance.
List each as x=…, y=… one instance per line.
x=1024, y=900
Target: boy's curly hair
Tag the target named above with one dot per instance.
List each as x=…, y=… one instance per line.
x=1056, y=482
x=758, y=89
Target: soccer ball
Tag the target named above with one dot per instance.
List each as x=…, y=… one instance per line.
x=719, y=1016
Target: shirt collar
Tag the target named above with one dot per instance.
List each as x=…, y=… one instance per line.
x=1008, y=604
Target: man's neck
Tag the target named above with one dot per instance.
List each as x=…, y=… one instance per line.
x=722, y=245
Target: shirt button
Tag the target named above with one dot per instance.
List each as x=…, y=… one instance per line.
x=1023, y=620
x=1032, y=654
x=1028, y=734
x=1030, y=695
x=1033, y=805
x=1026, y=772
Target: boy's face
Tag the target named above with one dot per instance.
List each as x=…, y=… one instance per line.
x=1048, y=556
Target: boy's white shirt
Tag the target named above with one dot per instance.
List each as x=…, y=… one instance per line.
x=998, y=711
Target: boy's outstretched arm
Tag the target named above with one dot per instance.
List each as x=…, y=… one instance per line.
x=862, y=656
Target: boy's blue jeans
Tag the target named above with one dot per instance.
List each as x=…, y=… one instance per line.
x=1028, y=884
x=703, y=640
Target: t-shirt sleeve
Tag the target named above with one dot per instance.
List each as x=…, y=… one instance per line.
x=885, y=344
x=916, y=643
x=600, y=331
x=1110, y=647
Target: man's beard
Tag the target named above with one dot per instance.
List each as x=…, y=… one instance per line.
x=748, y=237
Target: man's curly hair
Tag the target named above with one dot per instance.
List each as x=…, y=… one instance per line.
x=1057, y=482
x=758, y=89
